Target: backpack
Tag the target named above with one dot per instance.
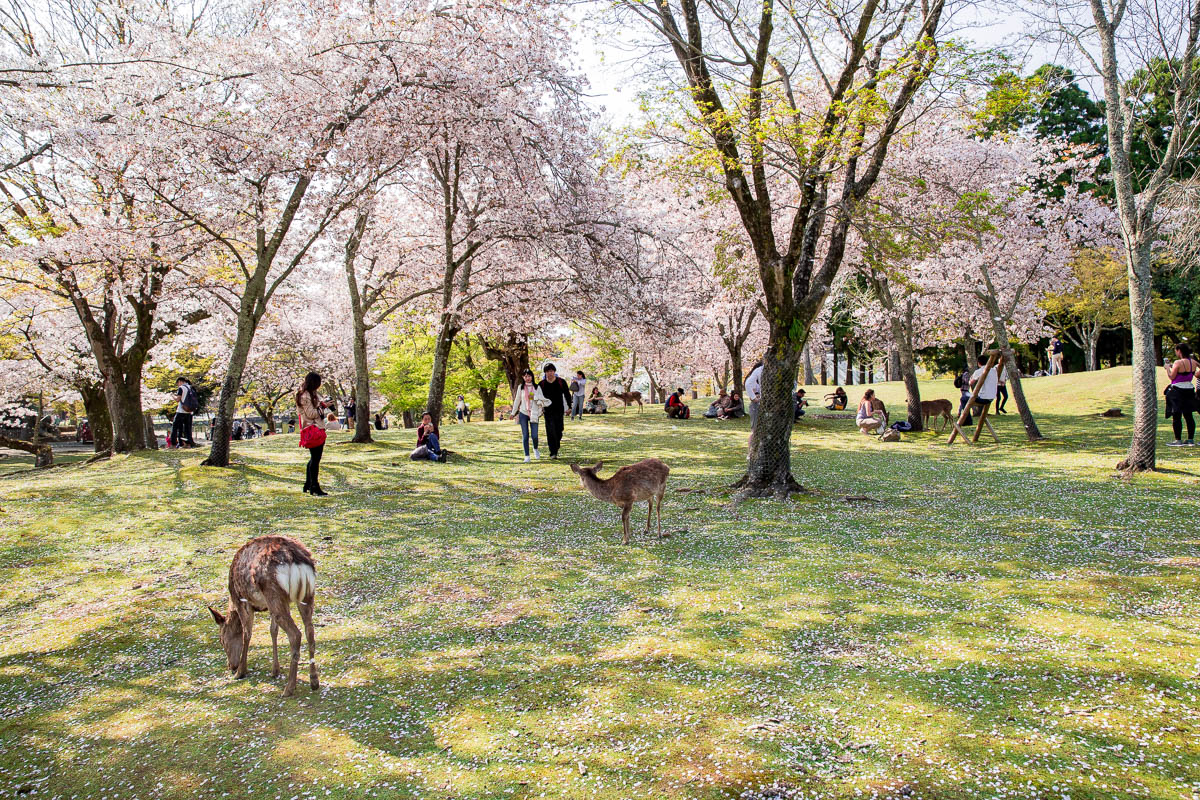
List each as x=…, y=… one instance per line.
x=958, y=381
x=902, y=426
x=574, y=387
x=890, y=435
x=191, y=401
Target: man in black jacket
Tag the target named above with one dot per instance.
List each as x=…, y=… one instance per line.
x=556, y=390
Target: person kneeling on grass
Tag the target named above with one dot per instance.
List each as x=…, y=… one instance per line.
x=428, y=445
x=801, y=402
x=675, y=406
x=869, y=420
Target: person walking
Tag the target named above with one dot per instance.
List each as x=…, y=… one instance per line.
x=528, y=403
x=754, y=391
x=1181, y=394
x=351, y=410
x=578, y=394
x=189, y=404
x=312, y=430
x=558, y=403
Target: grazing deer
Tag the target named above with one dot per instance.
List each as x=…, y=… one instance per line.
x=645, y=480
x=267, y=574
x=627, y=398
x=934, y=408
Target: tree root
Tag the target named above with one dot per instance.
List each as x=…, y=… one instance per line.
x=1129, y=466
x=777, y=490
x=103, y=455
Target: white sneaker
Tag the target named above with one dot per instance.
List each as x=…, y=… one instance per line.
x=1175, y=443
x=526, y=459
x=536, y=454
x=1190, y=443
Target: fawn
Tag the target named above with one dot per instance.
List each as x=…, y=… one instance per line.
x=267, y=574
x=627, y=398
x=645, y=480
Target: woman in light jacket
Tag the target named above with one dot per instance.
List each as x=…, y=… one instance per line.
x=311, y=413
x=528, y=402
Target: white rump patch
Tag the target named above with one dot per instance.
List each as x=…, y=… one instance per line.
x=298, y=580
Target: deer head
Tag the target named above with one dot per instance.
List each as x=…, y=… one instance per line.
x=588, y=471
x=231, y=637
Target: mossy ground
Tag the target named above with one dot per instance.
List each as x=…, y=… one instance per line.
x=1007, y=620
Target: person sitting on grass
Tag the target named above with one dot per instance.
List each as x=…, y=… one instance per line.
x=870, y=418
x=676, y=409
x=736, y=407
x=428, y=444
x=837, y=400
x=715, y=408
x=595, y=403
x=801, y=402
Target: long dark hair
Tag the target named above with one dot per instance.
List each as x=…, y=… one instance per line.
x=312, y=382
x=1184, y=349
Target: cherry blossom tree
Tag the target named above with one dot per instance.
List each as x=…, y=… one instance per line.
x=791, y=111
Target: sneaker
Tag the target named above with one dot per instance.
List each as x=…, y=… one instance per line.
x=536, y=454
x=1190, y=443
x=526, y=459
x=1175, y=443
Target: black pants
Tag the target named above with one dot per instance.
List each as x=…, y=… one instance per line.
x=1001, y=397
x=552, y=423
x=181, y=429
x=314, y=467
x=1177, y=420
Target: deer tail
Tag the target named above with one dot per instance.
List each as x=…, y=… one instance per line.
x=298, y=581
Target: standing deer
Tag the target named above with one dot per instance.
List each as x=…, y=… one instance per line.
x=627, y=398
x=267, y=574
x=645, y=480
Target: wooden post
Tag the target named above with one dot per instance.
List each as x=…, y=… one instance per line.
x=995, y=361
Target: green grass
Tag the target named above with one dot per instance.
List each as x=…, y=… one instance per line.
x=1006, y=620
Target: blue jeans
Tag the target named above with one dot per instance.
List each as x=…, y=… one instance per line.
x=577, y=406
x=433, y=445
x=527, y=426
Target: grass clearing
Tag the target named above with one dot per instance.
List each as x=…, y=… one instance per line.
x=1002, y=621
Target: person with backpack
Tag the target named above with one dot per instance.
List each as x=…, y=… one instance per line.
x=675, y=406
x=181, y=423
x=963, y=384
x=558, y=397
x=578, y=394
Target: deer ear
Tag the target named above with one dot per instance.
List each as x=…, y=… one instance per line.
x=217, y=616
x=574, y=468
x=596, y=468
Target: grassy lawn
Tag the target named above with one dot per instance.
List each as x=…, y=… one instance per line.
x=997, y=621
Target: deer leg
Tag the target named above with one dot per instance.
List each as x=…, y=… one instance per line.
x=649, y=513
x=306, y=612
x=246, y=614
x=281, y=613
x=275, y=647
x=660, y=533
x=625, y=522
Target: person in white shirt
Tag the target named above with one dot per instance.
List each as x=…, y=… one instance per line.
x=578, y=394
x=754, y=391
x=987, y=391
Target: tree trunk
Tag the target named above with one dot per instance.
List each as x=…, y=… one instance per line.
x=1141, y=454
x=1014, y=377
x=43, y=456
x=96, y=407
x=222, y=425
x=362, y=386
x=836, y=378
x=824, y=375
x=488, y=398
x=151, y=435
x=809, y=379
x=894, y=370
x=735, y=359
x=902, y=336
x=441, y=360
x=768, y=468
x=849, y=367
x=124, y=397
x=1093, y=348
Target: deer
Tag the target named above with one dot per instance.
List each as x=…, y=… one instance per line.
x=645, y=480
x=268, y=574
x=935, y=408
x=627, y=398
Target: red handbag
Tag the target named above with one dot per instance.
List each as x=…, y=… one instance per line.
x=312, y=436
